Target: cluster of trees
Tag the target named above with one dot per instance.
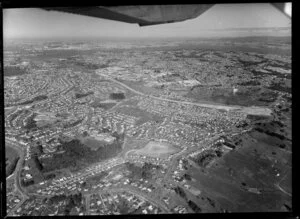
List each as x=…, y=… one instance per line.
x=273, y=134
x=38, y=149
x=26, y=102
x=95, y=179
x=279, y=87
x=211, y=202
x=27, y=182
x=137, y=172
x=16, y=114
x=36, y=169
x=144, y=172
x=119, y=137
x=85, y=134
x=56, y=199
x=40, y=97
x=105, y=130
x=31, y=123
x=37, y=162
x=124, y=206
x=69, y=125
x=287, y=97
x=256, y=117
x=228, y=144
x=77, y=155
x=187, y=177
x=250, y=63
x=185, y=164
x=91, y=66
x=117, y=96
x=74, y=152
x=37, y=98
x=205, y=158
x=278, y=123
x=250, y=83
x=194, y=207
x=182, y=194
x=80, y=95
x=268, y=97
x=105, y=106
x=50, y=176
x=14, y=71
x=73, y=200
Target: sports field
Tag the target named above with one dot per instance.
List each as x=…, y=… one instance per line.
x=157, y=149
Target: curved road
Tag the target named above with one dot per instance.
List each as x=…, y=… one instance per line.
x=17, y=174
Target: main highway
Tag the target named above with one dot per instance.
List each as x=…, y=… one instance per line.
x=253, y=110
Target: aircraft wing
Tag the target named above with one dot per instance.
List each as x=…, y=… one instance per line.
x=143, y=15
x=147, y=14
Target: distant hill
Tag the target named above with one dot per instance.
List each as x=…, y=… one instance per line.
x=269, y=39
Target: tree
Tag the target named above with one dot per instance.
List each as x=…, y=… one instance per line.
x=187, y=177
x=83, y=185
x=85, y=134
x=219, y=153
x=40, y=149
x=124, y=206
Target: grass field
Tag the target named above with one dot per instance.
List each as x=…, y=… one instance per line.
x=255, y=165
x=92, y=143
x=157, y=149
x=143, y=115
x=11, y=159
x=10, y=155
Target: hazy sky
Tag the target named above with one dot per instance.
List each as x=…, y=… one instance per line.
x=220, y=20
